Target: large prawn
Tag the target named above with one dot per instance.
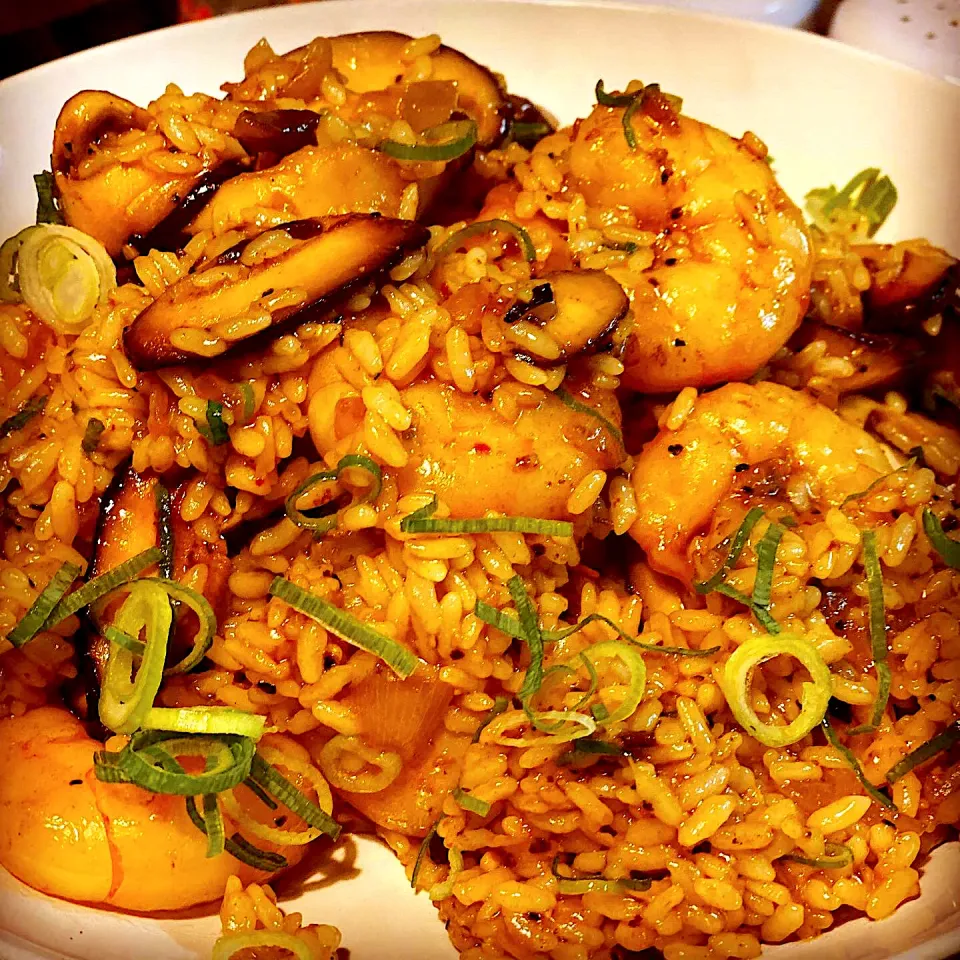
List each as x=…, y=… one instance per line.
x=730, y=277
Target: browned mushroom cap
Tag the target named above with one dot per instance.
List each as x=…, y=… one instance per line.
x=101, y=204
x=371, y=61
x=580, y=310
x=221, y=307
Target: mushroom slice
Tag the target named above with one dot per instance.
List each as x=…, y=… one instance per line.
x=372, y=61
x=99, y=200
x=578, y=309
x=221, y=307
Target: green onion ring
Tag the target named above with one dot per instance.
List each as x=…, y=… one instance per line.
x=345, y=626
x=471, y=803
x=457, y=137
x=238, y=846
x=490, y=226
x=31, y=623
x=209, y=720
x=815, y=696
x=229, y=945
x=328, y=521
x=274, y=783
x=638, y=678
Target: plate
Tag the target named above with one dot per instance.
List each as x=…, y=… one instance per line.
x=825, y=110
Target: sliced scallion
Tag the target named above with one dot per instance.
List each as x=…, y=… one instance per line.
x=345, y=626
x=275, y=784
x=100, y=586
x=490, y=226
x=124, y=640
x=947, y=547
x=214, y=430
x=629, y=134
x=423, y=852
x=161, y=496
x=594, y=882
x=549, y=528
x=878, y=795
x=91, y=435
x=766, y=561
x=763, y=615
x=866, y=491
x=207, y=619
x=213, y=821
x=237, y=845
x=527, y=616
x=569, y=400
x=588, y=747
x=527, y=134
x=264, y=831
x=469, y=802
x=737, y=678
x=614, y=99
x=249, y=400
x=23, y=416
x=926, y=751
x=444, y=142
x=210, y=720
x=231, y=944
x=616, y=649
x=33, y=620
x=47, y=209
x=737, y=545
x=325, y=518
x=499, y=705
x=553, y=636
x=868, y=195
x=836, y=856
x=878, y=630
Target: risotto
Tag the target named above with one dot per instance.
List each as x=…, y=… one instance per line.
x=558, y=504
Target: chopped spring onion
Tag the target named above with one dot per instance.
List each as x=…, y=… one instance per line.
x=161, y=496
x=345, y=626
x=629, y=134
x=926, y=751
x=471, y=803
x=527, y=134
x=594, y=882
x=835, y=857
x=146, y=761
x=63, y=275
x=588, y=747
x=210, y=720
x=736, y=682
x=497, y=618
x=490, y=226
x=549, y=528
x=616, y=649
x=23, y=416
x=878, y=630
x=98, y=587
x=763, y=615
x=199, y=604
x=288, y=838
x=271, y=780
x=499, y=705
x=562, y=725
x=569, y=400
x=387, y=764
x=231, y=944
x=325, y=518
x=91, y=435
x=527, y=616
x=766, y=561
x=876, y=483
x=33, y=620
x=554, y=635
x=947, y=547
x=214, y=430
x=423, y=852
x=47, y=209
x=440, y=891
x=9, y=282
x=249, y=400
x=124, y=702
x=737, y=545
x=862, y=205
x=444, y=142
x=614, y=99
x=878, y=795
x=213, y=821
x=124, y=640
x=237, y=846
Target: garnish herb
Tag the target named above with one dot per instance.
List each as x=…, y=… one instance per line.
x=868, y=198
x=569, y=400
x=737, y=545
x=47, y=209
x=323, y=517
x=947, y=547
x=499, y=706
x=490, y=226
x=214, y=430
x=471, y=803
x=875, y=794
x=91, y=435
x=23, y=416
x=33, y=620
x=878, y=630
x=926, y=751
x=766, y=561
x=444, y=142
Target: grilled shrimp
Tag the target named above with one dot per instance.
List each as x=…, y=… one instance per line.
x=65, y=833
x=682, y=475
x=732, y=261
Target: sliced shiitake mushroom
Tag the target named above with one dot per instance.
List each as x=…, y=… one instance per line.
x=101, y=204
x=372, y=61
x=313, y=182
x=579, y=309
x=333, y=256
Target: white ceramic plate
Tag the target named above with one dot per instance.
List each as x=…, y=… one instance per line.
x=826, y=111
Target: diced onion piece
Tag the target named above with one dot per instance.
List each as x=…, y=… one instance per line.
x=124, y=702
x=229, y=945
x=205, y=720
x=345, y=626
x=469, y=802
x=444, y=142
x=331, y=762
x=926, y=751
x=63, y=275
x=33, y=620
x=737, y=675
x=480, y=227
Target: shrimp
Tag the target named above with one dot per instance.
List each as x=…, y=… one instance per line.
x=67, y=834
x=682, y=475
x=732, y=261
